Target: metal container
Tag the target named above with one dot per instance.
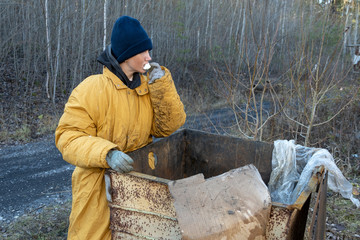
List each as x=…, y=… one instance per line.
x=141, y=205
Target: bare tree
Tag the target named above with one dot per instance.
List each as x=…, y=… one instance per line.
x=48, y=47
x=347, y=30
x=254, y=40
x=356, y=25
x=58, y=46
x=105, y=22
x=317, y=83
x=247, y=93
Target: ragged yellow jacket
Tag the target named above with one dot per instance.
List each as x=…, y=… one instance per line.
x=102, y=113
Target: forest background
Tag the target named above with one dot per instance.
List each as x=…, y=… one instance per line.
x=286, y=69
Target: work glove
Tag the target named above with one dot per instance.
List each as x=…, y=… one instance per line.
x=119, y=161
x=156, y=72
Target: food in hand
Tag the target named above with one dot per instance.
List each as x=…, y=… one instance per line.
x=147, y=66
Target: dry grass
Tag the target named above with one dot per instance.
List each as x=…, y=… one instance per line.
x=343, y=219
x=50, y=222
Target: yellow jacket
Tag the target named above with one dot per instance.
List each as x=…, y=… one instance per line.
x=102, y=113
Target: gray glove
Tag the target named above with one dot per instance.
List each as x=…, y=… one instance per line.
x=119, y=161
x=156, y=72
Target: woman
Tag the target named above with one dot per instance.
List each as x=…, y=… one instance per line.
x=110, y=114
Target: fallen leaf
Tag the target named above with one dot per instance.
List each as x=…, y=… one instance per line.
x=355, y=191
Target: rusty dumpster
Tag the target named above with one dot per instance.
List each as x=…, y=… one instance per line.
x=141, y=206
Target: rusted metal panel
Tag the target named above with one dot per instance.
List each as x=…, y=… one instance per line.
x=126, y=236
x=286, y=222
x=289, y=221
x=142, y=207
x=148, y=225
x=279, y=223
x=311, y=187
x=189, y=152
x=147, y=212
x=212, y=154
x=136, y=191
x=317, y=226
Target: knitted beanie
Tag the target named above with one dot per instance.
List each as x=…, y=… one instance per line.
x=128, y=38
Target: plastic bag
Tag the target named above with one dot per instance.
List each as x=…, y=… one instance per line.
x=292, y=167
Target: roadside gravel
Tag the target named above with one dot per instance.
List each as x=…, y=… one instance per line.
x=32, y=176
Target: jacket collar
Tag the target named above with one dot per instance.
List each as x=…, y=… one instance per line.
x=141, y=90
x=108, y=60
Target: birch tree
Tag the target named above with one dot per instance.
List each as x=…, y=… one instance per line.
x=59, y=41
x=58, y=46
x=80, y=57
x=48, y=48
x=105, y=22
x=347, y=30
x=356, y=25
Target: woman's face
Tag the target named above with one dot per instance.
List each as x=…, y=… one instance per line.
x=137, y=62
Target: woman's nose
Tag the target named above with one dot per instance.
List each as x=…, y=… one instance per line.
x=147, y=57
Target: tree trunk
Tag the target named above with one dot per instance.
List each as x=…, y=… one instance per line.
x=357, y=9
x=105, y=17
x=346, y=32
x=242, y=36
x=207, y=23
x=78, y=71
x=48, y=47
x=311, y=121
x=231, y=27
x=58, y=49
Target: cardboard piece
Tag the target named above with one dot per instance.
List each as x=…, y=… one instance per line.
x=234, y=205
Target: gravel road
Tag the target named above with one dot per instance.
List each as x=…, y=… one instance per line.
x=32, y=175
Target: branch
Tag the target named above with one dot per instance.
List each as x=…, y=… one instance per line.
x=350, y=101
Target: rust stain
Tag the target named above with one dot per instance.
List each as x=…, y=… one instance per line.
x=142, y=207
x=280, y=223
x=311, y=187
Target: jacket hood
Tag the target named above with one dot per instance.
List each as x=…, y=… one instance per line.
x=108, y=60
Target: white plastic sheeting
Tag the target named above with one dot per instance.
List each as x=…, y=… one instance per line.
x=292, y=167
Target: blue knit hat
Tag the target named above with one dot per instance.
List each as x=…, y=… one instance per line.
x=128, y=38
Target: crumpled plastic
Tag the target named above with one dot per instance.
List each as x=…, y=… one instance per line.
x=292, y=168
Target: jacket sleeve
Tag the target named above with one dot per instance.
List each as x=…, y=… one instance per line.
x=169, y=114
x=75, y=136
